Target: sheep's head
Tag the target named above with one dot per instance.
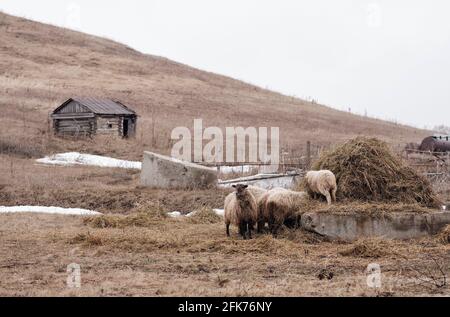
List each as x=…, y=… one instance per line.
x=241, y=190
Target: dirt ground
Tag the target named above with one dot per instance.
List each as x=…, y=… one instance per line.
x=180, y=258
x=159, y=256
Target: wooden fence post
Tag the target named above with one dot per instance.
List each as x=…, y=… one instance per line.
x=308, y=154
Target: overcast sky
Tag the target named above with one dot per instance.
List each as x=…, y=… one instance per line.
x=390, y=59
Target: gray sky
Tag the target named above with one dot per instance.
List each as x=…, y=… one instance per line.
x=389, y=58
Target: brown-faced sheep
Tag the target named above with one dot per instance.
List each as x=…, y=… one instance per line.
x=280, y=206
x=241, y=210
x=321, y=182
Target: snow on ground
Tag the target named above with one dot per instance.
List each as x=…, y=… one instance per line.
x=48, y=210
x=177, y=214
x=75, y=158
x=174, y=214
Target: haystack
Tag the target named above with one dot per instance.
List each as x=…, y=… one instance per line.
x=444, y=236
x=366, y=170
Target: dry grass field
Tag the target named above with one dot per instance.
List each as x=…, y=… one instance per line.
x=41, y=66
x=134, y=249
x=170, y=257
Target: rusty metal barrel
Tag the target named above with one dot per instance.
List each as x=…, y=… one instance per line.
x=436, y=144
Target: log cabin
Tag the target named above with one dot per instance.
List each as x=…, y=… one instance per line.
x=87, y=116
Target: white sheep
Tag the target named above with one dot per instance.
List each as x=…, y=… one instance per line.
x=280, y=206
x=258, y=192
x=322, y=182
x=241, y=211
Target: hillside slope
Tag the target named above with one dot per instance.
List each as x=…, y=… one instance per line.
x=42, y=65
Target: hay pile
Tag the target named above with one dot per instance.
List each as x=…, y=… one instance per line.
x=205, y=216
x=140, y=219
x=369, y=248
x=444, y=236
x=366, y=170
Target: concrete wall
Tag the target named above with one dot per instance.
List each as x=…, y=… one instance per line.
x=161, y=171
x=349, y=227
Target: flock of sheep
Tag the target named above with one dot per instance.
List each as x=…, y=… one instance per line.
x=248, y=206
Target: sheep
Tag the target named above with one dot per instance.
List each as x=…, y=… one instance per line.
x=258, y=192
x=241, y=210
x=263, y=215
x=280, y=206
x=322, y=182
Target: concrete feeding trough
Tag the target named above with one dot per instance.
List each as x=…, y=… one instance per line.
x=399, y=225
x=159, y=171
x=266, y=181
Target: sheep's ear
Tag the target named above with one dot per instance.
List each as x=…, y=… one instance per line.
x=234, y=186
x=245, y=186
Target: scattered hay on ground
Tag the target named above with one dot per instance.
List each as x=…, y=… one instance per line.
x=143, y=240
x=141, y=219
x=87, y=239
x=265, y=244
x=444, y=235
x=368, y=248
x=301, y=236
x=366, y=170
x=204, y=216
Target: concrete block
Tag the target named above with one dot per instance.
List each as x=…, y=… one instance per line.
x=161, y=171
x=350, y=227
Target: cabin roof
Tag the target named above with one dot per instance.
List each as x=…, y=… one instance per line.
x=100, y=106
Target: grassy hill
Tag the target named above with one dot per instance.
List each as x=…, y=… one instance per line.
x=42, y=65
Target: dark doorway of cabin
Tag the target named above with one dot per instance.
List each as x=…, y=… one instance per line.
x=125, y=128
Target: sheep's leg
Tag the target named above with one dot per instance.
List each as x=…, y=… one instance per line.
x=275, y=226
x=271, y=223
x=228, y=229
x=298, y=221
x=275, y=229
x=328, y=196
x=242, y=229
x=333, y=194
x=261, y=224
x=250, y=227
x=326, y=193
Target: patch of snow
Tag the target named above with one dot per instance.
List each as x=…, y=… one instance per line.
x=174, y=214
x=75, y=158
x=48, y=210
x=177, y=214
